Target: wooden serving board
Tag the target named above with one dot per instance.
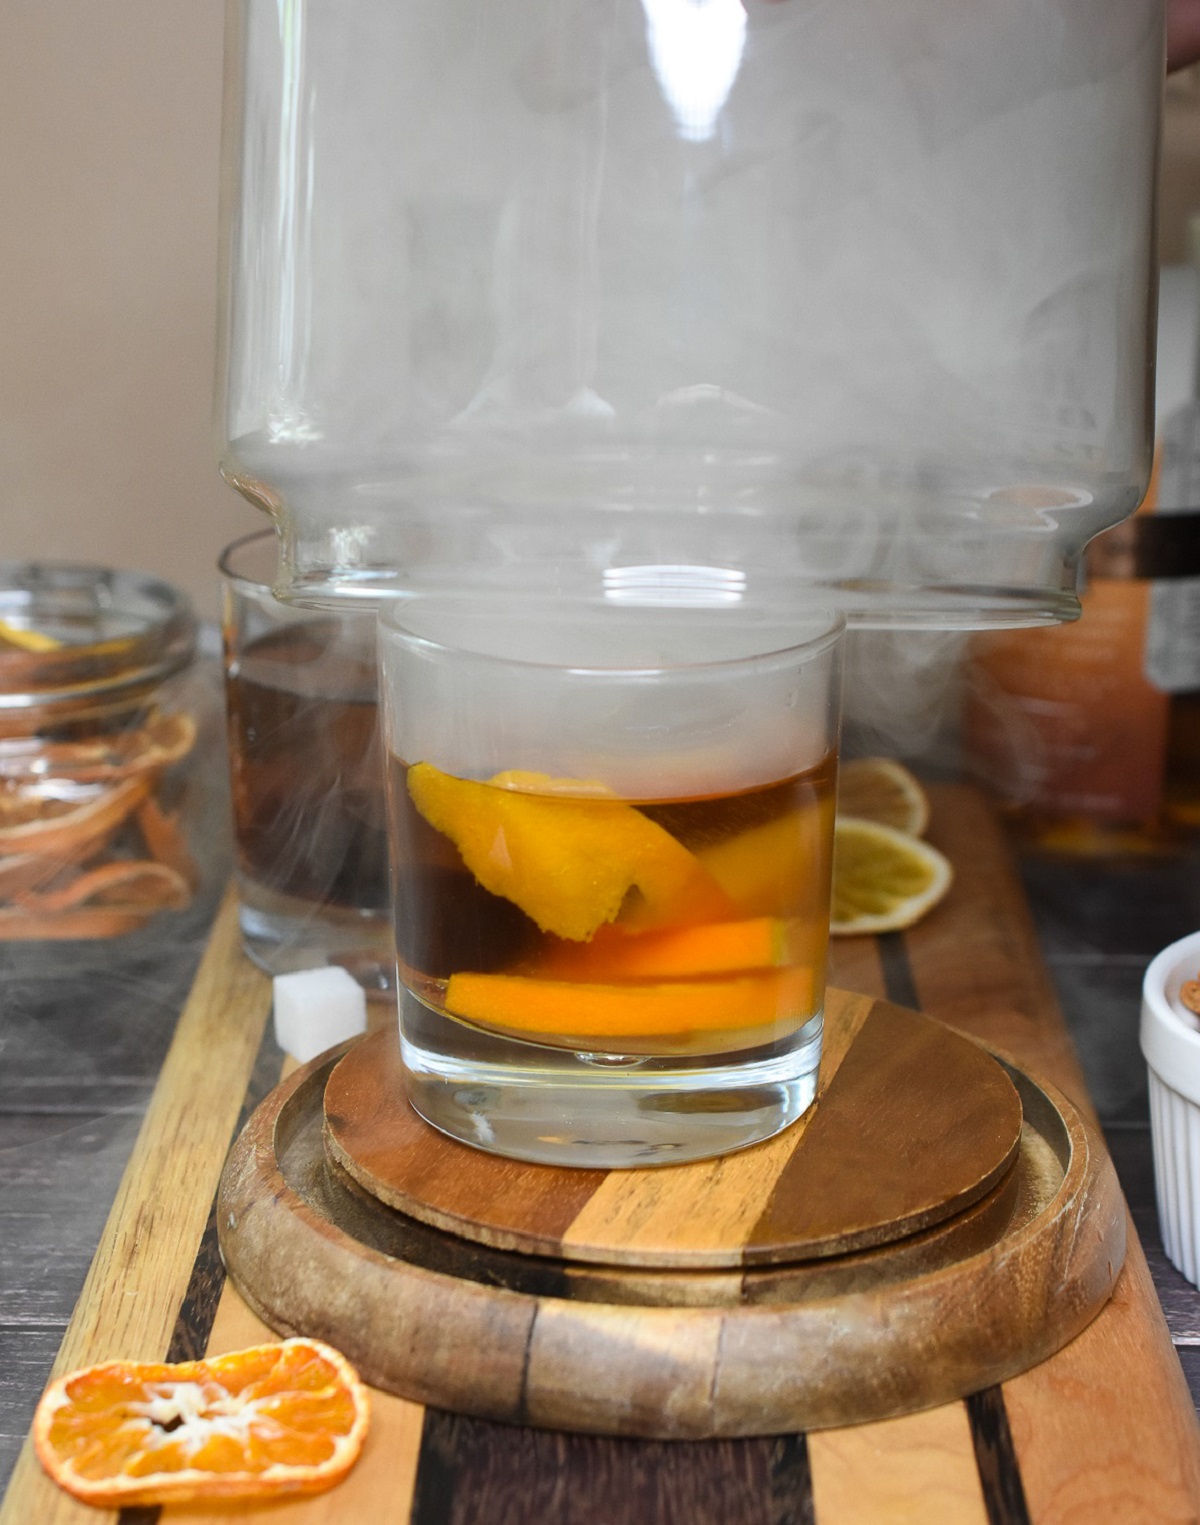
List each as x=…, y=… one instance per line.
x=1103, y=1430
x=853, y=1315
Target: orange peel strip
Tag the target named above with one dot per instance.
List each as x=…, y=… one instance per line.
x=723, y=947
x=163, y=741
x=26, y=871
x=566, y=859
x=567, y=1012
x=759, y=869
x=166, y=840
x=266, y=1422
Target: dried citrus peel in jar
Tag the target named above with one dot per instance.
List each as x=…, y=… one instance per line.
x=565, y=857
x=266, y=1422
x=25, y=639
x=65, y=869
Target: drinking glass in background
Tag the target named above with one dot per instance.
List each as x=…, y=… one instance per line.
x=307, y=775
x=612, y=843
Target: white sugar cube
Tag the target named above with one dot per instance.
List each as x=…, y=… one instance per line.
x=316, y=1008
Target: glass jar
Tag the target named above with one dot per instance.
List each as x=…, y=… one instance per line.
x=95, y=734
x=306, y=769
x=768, y=301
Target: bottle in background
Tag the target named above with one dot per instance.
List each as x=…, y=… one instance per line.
x=1065, y=725
x=1090, y=733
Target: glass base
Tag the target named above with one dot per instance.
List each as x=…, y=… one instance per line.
x=530, y=1101
x=283, y=935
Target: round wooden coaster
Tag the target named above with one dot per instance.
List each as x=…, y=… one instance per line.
x=912, y=1125
x=648, y=1351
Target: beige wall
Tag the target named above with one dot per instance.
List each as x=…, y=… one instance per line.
x=109, y=128
x=1179, y=181
x=109, y=131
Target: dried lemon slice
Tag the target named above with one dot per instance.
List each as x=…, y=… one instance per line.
x=265, y=1422
x=883, y=879
x=882, y=790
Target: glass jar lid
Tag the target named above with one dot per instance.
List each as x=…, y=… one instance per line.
x=74, y=638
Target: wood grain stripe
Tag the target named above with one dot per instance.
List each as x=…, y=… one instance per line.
x=883, y=1125
x=996, y=1458
x=475, y=1473
x=790, y=1495
x=193, y=1323
x=198, y=1310
x=712, y=1204
x=377, y=1492
x=918, y=1468
x=1107, y=1428
x=976, y=960
x=898, y=982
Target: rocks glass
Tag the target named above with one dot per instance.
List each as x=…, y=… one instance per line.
x=611, y=837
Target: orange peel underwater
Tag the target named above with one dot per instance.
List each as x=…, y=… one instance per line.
x=707, y=948
x=635, y=1015
x=564, y=853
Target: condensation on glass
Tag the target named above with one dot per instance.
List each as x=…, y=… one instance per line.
x=728, y=301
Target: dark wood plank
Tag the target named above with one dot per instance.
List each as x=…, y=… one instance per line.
x=911, y=1128
x=999, y=1469
x=472, y=1471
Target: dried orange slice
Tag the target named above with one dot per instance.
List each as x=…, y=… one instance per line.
x=264, y=1422
x=883, y=880
x=566, y=857
x=882, y=790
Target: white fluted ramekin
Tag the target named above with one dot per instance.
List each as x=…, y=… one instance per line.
x=1170, y=1039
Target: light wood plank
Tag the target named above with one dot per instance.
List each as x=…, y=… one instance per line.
x=713, y=1203
x=138, y=1279
x=854, y=965
x=1087, y=1446
x=380, y=1488
x=975, y=958
x=1106, y=1430
x=909, y=1471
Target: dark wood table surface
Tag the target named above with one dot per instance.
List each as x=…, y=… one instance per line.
x=84, y=1028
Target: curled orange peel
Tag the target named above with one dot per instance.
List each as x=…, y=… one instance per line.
x=563, y=851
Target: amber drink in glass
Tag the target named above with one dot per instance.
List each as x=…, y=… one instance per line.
x=611, y=845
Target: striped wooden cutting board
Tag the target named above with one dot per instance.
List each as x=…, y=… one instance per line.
x=1105, y=1430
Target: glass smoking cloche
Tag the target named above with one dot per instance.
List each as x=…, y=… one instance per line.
x=728, y=301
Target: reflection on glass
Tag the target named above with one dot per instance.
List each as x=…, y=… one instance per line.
x=696, y=47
